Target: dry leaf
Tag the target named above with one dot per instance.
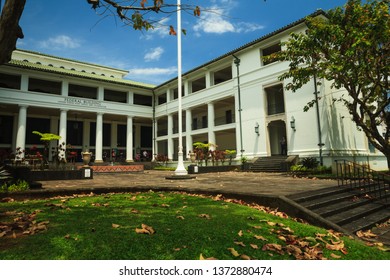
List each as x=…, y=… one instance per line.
x=203, y=258
x=335, y=256
x=271, y=224
x=245, y=257
x=254, y=246
x=281, y=237
x=145, y=229
x=240, y=233
x=180, y=217
x=134, y=211
x=234, y=252
x=240, y=243
x=205, y=216
x=259, y=237
x=115, y=225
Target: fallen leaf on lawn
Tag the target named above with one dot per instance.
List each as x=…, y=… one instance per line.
x=281, y=237
x=240, y=243
x=335, y=256
x=271, y=224
x=180, y=217
x=254, y=246
x=145, y=229
x=257, y=227
x=259, y=237
x=293, y=250
x=234, y=252
x=272, y=247
x=205, y=216
x=240, y=233
x=203, y=258
x=3, y=233
x=134, y=211
x=335, y=247
x=165, y=205
x=245, y=257
x=115, y=225
x=67, y=236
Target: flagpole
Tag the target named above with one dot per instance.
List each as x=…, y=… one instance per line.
x=180, y=170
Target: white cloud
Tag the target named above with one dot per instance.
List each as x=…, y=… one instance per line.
x=60, y=42
x=216, y=19
x=154, y=54
x=152, y=71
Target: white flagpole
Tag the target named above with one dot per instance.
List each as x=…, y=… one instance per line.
x=180, y=170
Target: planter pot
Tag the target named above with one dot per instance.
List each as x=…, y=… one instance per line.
x=192, y=157
x=86, y=158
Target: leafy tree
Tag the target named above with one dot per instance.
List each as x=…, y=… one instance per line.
x=349, y=46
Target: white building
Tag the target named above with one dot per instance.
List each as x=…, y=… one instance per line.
x=93, y=107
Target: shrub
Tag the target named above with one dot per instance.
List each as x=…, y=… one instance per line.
x=19, y=185
x=298, y=168
x=309, y=162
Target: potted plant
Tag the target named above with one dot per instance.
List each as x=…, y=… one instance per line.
x=86, y=158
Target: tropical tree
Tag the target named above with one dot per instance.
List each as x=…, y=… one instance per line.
x=349, y=46
x=136, y=13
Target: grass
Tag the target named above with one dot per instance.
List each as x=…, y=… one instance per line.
x=187, y=227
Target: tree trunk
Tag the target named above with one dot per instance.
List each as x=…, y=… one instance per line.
x=10, y=31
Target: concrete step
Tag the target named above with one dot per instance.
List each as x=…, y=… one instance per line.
x=368, y=221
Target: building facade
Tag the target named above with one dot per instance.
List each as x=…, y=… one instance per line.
x=235, y=102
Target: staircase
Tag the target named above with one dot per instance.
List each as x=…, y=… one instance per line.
x=268, y=164
x=357, y=203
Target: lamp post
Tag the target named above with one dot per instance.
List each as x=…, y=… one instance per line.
x=180, y=169
x=237, y=62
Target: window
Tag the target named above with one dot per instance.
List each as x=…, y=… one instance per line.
x=194, y=123
x=270, y=50
x=223, y=75
x=115, y=96
x=36, y=124
x=74, y=135
x=204, y=122
x=176, y=92
x=121, y=135
x=229, y=116
x=6, y=125
x=162, y=99
x=82, y=91
x=143, y=100
x=10, y=81
x=44, y=86
x=198, y=84
x=275, y=99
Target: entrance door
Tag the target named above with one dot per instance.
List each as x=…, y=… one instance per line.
x=276, y=131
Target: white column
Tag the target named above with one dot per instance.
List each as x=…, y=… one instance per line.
x=170, y=139
x=99, y=138
x=21, y=132
x=65, y=88
x=24, y=83
x=154, y=141
x=130, y=97
x=188, y=131
x=129, y=139
x=62, y=131
x=186, y=88
x=210, y=124
x=208, y=79
x=100, y=94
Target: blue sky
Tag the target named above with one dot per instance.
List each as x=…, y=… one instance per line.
x=73, y=30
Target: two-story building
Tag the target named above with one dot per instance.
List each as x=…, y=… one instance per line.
x=235, y=101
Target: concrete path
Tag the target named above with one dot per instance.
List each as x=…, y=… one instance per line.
x=241, y=182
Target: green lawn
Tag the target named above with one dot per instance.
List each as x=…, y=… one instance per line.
x=163, y=226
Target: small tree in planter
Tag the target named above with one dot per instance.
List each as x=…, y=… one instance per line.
x=46, y=138
x=202, y=152
x=230, y=154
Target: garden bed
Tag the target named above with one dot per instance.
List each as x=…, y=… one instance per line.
x=217, y=168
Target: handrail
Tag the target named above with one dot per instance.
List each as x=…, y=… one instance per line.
x=356, y=176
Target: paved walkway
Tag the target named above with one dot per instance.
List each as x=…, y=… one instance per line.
x=240, y=182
